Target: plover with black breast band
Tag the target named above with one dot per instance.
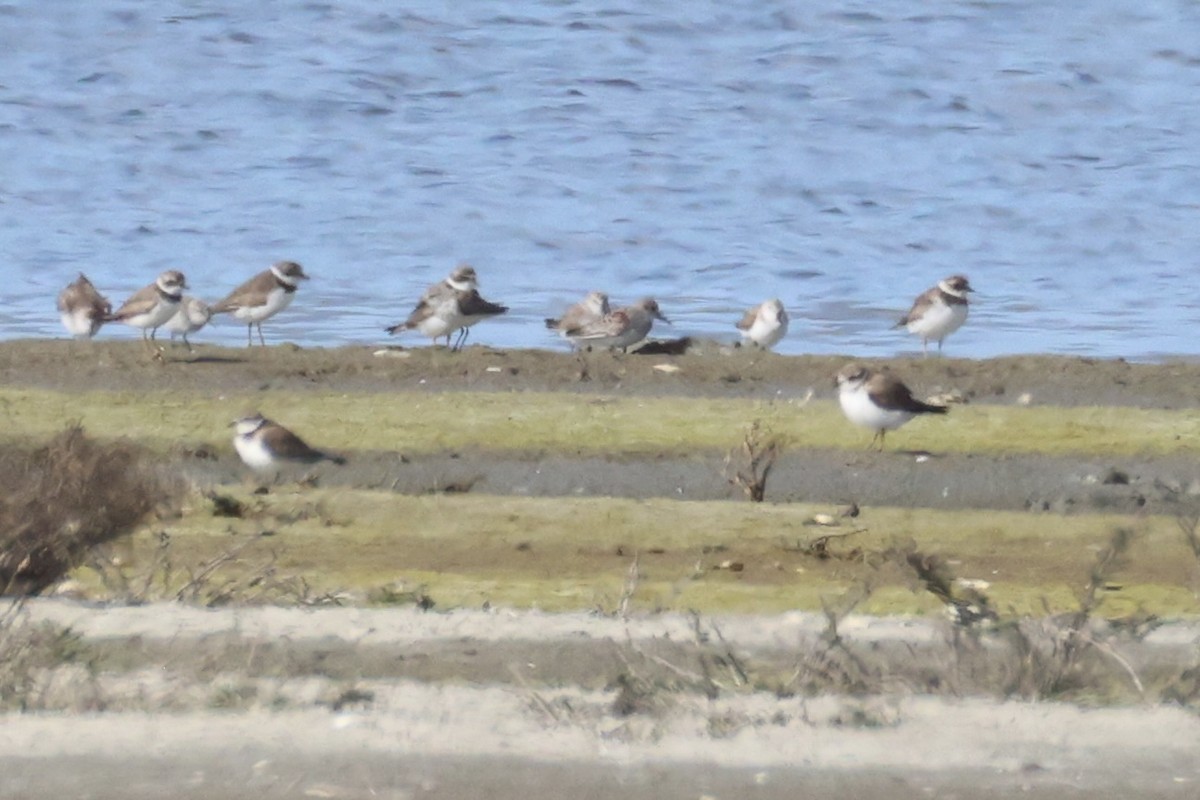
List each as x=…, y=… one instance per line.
x=148, y=308
x=451, y=305
x=938, y=312
x=262, y=297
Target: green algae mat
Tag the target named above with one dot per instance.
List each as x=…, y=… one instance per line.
x=574, y=423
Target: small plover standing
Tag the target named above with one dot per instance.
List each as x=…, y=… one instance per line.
x=878, y=400
x=453, y=304
x=153, y=305
x=938, y=312
x=262, y=297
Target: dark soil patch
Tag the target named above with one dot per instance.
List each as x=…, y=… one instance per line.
x=708, y=369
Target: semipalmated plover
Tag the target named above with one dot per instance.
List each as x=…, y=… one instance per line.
x=153, y=305
x=453, y=304
x=263, y=444
x=878, y=400
x=82, y=308
x=938, y=312
x=262, y=297
x=193, y=314
x=588, y=310
x=622, y=328
x=765, y=324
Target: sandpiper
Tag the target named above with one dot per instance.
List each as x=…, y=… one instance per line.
x=622, y=328
x=152, y=305
x=82, y=308
x=262, y=297
x=453, y=304
x=765, y=324
x=938, y=312
x=193, y=314
x=588, y=310
x=263, y=444
x=878, y=400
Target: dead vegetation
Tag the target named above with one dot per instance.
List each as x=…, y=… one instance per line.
x=66, y=497
x=1077, y=657
x=239, y=575
x=748, y=466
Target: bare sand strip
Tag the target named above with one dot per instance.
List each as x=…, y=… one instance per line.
x=407, y=625
x=441, y=739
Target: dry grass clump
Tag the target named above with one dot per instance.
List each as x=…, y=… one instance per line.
x=33, y=655
x=64, y=498
x=749, y=465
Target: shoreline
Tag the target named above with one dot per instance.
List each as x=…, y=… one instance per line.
x=708, y=369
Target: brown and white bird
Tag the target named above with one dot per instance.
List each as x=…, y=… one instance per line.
x=153, y=305
x=765, y=324
x=263, y=444
x=193, y=314
x=938, y=312
x=590, y=309
x=82, y=308
x=622, y=328
x=453, y=304
x=262, y=297
x=878, y=400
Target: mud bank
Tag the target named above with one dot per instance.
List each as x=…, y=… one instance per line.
x=707, y=369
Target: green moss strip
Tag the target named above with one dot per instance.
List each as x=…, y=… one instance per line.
x=416, y=422
x=576, y=553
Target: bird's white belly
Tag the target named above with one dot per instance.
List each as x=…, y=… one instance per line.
x=766, y=333
x=183, y=322
x=253, y=453
x=939, y=321
x=155, y=317
x=277, y=300
x=78, y=323
x=445, y=321
x=859, y=409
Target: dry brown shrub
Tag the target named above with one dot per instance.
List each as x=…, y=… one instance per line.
x=749, y=465
x=61, y=499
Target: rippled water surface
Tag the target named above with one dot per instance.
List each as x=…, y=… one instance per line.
x=841, y=156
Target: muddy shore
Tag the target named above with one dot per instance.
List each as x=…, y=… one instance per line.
x=706, y=369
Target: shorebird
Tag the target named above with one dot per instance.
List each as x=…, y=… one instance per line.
x=152, y=305
x=621, y=328
x=765, y=324
x=938, y=312
x=262, y=297
x=878, y=400
x=82, y=308
x=453, y=304
x=590, y=309
x=193, y=314
x=263, y=444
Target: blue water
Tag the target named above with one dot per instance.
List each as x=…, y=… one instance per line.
x=842, y=156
